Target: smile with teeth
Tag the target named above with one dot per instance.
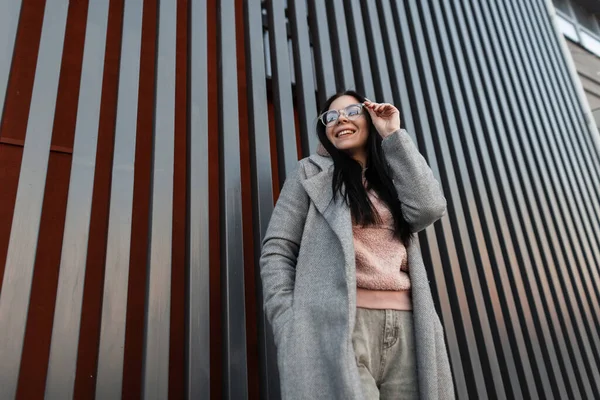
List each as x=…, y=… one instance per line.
x=345, y=132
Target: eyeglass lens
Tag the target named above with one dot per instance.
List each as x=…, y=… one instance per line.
x=351, y=112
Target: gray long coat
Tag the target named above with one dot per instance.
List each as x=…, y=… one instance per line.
x=309, y=280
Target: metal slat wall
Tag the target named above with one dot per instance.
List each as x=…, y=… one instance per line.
x=154, y=283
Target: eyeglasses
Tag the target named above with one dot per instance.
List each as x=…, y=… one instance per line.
x=352, y=112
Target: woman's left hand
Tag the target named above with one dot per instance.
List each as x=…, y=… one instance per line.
x=385, y=117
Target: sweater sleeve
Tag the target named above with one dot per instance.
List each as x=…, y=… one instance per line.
x=421, y=195
x=280, y=250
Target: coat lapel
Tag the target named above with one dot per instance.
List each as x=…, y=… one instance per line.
x=336, y=213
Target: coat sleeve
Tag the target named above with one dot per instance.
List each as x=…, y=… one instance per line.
x=421, y=195
x=280, y=249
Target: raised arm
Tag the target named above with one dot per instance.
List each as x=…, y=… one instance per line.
x=420, y=193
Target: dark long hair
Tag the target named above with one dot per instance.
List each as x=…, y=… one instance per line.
x=347, y=176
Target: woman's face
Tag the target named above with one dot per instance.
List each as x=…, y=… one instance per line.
x=348, y=134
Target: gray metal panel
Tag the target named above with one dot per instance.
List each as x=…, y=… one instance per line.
x=584, y=235
x=562, y=225
x=262, y=190
x=448, y=248
x=580, y=169
x=476, y=203
x=489, y=127
x=459, y=214
x=322, y=50
x=395, y=65
x=359, y=50
x=198, y=267
x=381, y=76
x=158, y=302
x=582, y=135
x=565, y=67
x=282, y=90
x=536, y=203
x=305, y=88
x=69, y=297
x=235, y=377
x=564, y=209
x=579, y=149
x=20, y=259
x=340, y=44
x=10, y=11
x=529, y=215
x=114, y=304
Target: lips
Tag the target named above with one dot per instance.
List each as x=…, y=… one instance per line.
x=344, y=133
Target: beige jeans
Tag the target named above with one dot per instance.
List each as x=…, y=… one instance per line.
x=385, y=354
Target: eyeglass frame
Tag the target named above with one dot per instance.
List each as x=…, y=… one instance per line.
x=360, y=105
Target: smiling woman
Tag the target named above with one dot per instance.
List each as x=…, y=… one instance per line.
x=345, y=287
x=353, y=141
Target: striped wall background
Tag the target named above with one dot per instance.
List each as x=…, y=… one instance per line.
x=143, y=143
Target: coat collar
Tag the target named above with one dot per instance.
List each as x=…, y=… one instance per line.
x=318, y=186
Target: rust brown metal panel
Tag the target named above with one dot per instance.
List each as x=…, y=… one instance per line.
x=216, y=342
x=177, y=331
x=10, y=164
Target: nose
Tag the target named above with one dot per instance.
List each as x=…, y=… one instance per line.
x=342, y=118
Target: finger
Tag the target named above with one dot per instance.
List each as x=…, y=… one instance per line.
x=371, y=112
x=388, y=109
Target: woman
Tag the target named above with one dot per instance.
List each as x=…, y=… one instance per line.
x=345, y=288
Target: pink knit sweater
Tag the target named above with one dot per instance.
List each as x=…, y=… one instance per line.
x=381, y=263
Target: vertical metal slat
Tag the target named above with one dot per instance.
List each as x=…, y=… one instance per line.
x=158, y=303
x=109, y=378
x=198, y=288
x=69, y=297
x=235, y=379
x=322, y=50
x=282, y=90
x=359, y=50
x=9, y=21
x=342, y=59
x=262, y=190
x=395, y=65
x=20, y=260
x=305, y=88
x=381, y=78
